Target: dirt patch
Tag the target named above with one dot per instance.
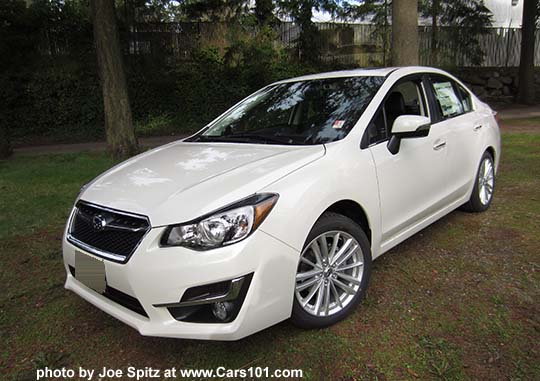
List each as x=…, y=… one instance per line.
x=524, y=126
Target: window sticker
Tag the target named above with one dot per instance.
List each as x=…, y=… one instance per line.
x=338, y=124
x=450, y=104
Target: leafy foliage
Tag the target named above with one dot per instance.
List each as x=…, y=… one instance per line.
x=468, y=18
x=301, y=12
x=49, y=85
x=55, y=94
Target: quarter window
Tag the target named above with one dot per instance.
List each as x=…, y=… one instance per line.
x=466, y=100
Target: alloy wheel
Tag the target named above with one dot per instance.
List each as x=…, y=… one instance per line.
x=486, y=181
x=329, y=273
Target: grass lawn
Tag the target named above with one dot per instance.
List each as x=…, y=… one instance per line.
x=460, y=300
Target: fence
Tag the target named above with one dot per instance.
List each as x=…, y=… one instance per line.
x=355, y=44
x=365, y=45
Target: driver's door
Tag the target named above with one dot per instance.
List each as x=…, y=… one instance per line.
x=411, y=181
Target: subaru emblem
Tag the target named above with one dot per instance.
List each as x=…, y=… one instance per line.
x=99, y=222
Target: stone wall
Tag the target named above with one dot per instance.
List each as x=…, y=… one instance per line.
x=494, y=85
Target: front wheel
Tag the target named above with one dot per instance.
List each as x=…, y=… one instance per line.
x=333, y=272
x=484, y=185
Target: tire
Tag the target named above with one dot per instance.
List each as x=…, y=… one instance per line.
x=343, y=285
x=484, y=186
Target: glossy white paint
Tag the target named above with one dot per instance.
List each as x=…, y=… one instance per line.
x=166, y=184
x=409, y=123
x=399, y=194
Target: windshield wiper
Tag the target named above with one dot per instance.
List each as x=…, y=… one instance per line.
x=245, y=138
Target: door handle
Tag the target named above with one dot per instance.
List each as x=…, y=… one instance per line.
x=477, y=127
x=439, y=145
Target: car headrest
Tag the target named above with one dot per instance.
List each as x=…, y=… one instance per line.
x=395, y=103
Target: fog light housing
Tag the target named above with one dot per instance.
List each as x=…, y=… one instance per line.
x=222, y=310
x=218, y=302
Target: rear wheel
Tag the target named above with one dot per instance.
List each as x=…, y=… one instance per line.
x=484, y=186
x=333, y=272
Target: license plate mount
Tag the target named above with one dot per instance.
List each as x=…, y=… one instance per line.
x=90, y=271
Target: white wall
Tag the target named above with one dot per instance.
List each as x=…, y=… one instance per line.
x=505, y=14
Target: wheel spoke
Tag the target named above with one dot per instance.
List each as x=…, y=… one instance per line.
x=350, y=266
x=320, y=295
x=348, y=277
x=312, y=292
x=308, y=262
x=302, y=286
x=333, y=248
x=308, y=274
x=336, y=295
x=344, y=287
x=346, y=256
x=323, y=246
x=315, y=247
x=326, y=298
x=486, y=195
x=342, y=250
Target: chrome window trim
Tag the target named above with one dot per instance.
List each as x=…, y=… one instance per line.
x=102, y=253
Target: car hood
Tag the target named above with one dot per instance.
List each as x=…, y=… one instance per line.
x=182, y=181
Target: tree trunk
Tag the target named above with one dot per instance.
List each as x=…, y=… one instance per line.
x=121, y=140
x=404, y=32
x=5, y=146
x=264, y=11
x=525, y=93
x=434, y=53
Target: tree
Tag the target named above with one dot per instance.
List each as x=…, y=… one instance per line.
x=214, y=10
x=18, y=50
x=121, y=140
x=379, y=13
x=404, y=32
x=264, y=12
x=525, y=92
x=466, y=19
x=301, y=11
x=5, y=146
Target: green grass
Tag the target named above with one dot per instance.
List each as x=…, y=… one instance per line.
x=526, y=122
x=38, y=191
x=457, y=301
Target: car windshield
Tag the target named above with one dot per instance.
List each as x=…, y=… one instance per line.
x=297, y=113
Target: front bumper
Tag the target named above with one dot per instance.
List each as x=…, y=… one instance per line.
x=159, y=276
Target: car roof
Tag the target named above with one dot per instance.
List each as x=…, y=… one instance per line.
x=366, y=72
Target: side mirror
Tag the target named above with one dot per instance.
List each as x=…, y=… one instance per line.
x=407, y=127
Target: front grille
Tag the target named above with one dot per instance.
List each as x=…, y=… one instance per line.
x=105, y=232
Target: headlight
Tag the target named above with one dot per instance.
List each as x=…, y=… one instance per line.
x=223, y=227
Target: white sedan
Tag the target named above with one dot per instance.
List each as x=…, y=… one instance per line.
x=277, y=208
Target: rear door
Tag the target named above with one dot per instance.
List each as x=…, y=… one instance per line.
x=409, y=182
x=453, y=112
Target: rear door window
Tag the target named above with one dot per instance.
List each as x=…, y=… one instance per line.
x=448, y=100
